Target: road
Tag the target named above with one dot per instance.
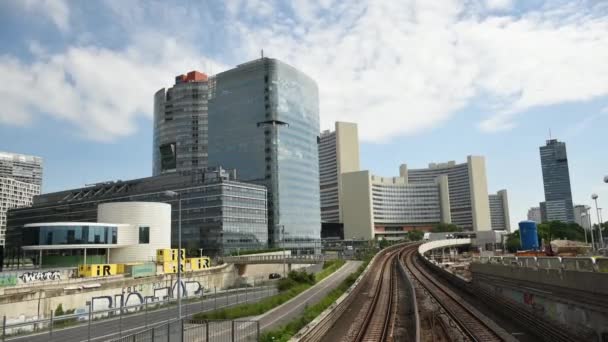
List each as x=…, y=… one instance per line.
x=247, y=329
x=290, y=310
x=105, y=329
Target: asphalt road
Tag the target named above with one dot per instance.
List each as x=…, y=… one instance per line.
x=246, y=330
x=290, y=310
x=103, y=330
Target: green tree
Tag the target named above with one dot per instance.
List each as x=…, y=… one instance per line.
x=445, y=227
x=383, y=243
x=59, y=310
x=415, y=235
x=555, y=230
x=512, y=244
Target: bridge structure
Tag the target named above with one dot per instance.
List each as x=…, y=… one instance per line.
x=278, y=259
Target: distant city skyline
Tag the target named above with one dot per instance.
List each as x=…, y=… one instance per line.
x=80, y=79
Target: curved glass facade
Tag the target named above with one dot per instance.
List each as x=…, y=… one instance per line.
x=180, y=127
x=69, y=235
x=264, y=122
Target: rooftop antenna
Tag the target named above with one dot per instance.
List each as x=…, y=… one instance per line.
x=262, y=53
x=549, y=133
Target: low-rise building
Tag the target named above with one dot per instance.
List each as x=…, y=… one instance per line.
x=127, y=232
x=218, y=213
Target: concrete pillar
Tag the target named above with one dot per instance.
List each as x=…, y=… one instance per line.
x=85, y=256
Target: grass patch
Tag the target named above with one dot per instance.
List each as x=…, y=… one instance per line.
x=287, y=331
x=296, y=283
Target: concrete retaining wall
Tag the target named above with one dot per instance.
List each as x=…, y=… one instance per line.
x=39, y=302
x=573, y=298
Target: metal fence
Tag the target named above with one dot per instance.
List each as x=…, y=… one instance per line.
x=128, y=317
x=187, y=330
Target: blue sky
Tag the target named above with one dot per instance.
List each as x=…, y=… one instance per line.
x=427, y=81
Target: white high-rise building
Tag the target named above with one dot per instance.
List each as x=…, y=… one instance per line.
x=499, y=211
x=20, y=181
x=580, y=215
x=14, y=194
x=534, y=214
x=338, y=154
x=21, y=167
x=468, y=190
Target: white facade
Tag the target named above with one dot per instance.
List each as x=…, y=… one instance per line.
x=338, y=154
x=534, y=215
x=499, y=211
x=14, y=194
x=21, y=167
x=468, y=190
x=390, y=207
x=138, y=215
x=129, y=232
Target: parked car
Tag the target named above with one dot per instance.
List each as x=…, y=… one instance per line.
x=274, y=276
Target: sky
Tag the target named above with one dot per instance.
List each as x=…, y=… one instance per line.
x=426, y=81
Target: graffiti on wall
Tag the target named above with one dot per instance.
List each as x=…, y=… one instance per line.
x=136, y=295
x=29, y=277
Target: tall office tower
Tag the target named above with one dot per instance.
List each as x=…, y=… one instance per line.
x=338, y=154
x=499, y=211
x=21, y=167
x=180, y=125
x=556, y=179
x=468, y=188
x=20, y=181
x=264, y=122
x=534, y=214
x=580, y=215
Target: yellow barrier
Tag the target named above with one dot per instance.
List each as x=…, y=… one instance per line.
x=198, y=263
x=98, y=270
x=168, y=255
x=171, y=267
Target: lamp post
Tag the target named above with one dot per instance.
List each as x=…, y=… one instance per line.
x=599, y=220
x=283, y=243
x=600, y=227
x=583, y=219
x=179, y=249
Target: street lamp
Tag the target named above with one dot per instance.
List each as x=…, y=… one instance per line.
x=599, y=220
x=583, y=216
x=179, y=248
x=283, y=243
x=600, y=226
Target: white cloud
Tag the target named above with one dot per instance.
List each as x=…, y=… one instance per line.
x=499, y=4
x=98, y=90
x=57, y=10
x=395, y=68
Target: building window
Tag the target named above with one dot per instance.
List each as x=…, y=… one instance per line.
x=144, y=234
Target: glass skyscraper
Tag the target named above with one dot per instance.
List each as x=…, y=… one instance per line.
x=556, y=179
x=264, y=122
x=180, y=125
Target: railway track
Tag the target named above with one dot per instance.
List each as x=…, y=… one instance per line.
x=380, y=315
x=469, y=322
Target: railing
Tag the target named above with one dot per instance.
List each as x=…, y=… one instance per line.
x=582, y=264
x=152, y=312
x=186, y=330
x=272, y=259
